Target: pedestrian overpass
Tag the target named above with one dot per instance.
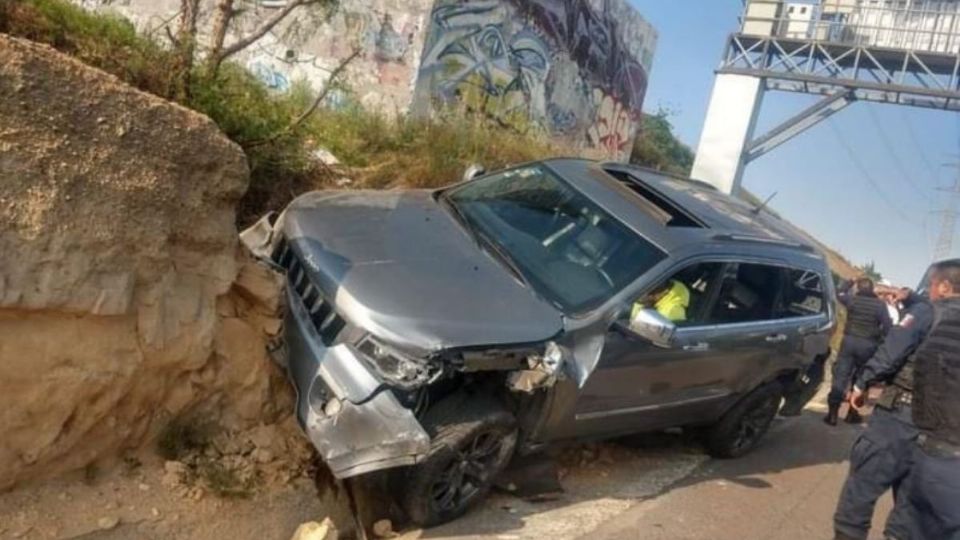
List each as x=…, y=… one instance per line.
x=903, y=52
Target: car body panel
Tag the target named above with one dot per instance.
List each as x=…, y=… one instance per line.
x=366, y=429
x=399, y=266
x=396, y=265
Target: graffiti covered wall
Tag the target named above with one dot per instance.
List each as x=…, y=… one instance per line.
x=571, y=69
x=389, y=34
x=308, y=47
x=575, y=70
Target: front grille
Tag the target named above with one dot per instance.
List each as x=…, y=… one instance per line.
x=325, y=319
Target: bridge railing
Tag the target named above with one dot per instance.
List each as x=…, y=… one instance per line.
x=917, y=25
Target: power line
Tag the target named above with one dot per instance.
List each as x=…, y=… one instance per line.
x=866, y=174
x=912, y=133
x=892, y=152
x=948, y=221
x=948, y=217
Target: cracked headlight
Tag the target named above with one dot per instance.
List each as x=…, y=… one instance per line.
x=397, y=368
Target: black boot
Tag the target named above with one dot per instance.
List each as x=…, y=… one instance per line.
x=853, y=417
x=831, y=418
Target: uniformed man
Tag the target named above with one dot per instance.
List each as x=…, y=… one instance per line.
x=933, y=488
x=882, y=454
x=867, y=323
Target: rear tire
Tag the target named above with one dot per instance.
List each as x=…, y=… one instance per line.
x=742, y=427
x=472, y=441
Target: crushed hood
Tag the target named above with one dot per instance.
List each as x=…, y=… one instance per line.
x=398, y=265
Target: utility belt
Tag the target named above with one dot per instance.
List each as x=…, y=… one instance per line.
x=895, y=398
x=937, y=448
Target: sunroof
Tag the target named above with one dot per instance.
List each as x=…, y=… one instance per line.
x=676, y=216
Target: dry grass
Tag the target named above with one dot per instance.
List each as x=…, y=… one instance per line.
x=375, y=151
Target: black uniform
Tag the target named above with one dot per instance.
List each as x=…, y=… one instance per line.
x=882, y=455
x=867, y=322
x=934, y=483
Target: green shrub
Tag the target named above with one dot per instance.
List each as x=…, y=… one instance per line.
x=105, y=41
x=658, y=148
x=183, y=436
x=375, y=151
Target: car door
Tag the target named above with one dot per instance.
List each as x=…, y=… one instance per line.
x=729, y=344
x=804, y=304
x=636, y=383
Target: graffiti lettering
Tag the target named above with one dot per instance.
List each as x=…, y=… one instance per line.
x=566, y=67
x=473, y=57
x=269, y=76
x=613, y=127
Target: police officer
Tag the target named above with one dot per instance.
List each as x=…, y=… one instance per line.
x=933, y=488
x=881, y=456
x=867, y=322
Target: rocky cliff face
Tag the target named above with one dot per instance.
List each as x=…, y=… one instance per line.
x=123, y=298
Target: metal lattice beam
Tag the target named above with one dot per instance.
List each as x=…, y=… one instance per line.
x=796, y=125
x=904, y=77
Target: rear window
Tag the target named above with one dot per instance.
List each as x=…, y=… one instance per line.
x=803, y=294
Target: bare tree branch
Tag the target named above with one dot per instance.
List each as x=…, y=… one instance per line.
x=331, y=82
x=221, y=23
x=234, y=48
x=186, y=45
x=165, y=25
x=171, y=37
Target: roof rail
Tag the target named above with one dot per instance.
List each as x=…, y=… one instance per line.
x=727, y=237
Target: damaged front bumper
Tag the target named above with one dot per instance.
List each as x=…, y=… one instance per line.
x=356, y=424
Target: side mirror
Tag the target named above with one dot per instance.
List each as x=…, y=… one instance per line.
x=654, y=327
x=473, y=171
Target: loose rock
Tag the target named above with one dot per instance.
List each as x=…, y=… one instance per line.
x=384, y=529
x=312, y=530
x=108, y=522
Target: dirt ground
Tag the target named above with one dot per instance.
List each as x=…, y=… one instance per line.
x=599, y=480
x=135, y=504
x=609, y=490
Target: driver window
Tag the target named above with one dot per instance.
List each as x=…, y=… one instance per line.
x=684, y=296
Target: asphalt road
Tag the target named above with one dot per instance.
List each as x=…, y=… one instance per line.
x=786, y=490
x=667, y=490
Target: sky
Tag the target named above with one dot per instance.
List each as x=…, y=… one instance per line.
x=864, y=182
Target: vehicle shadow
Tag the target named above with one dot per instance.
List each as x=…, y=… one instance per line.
x=602, y=480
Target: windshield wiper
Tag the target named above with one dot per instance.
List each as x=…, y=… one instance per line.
x=459, y=216
x=503, y=256
x=483, y=240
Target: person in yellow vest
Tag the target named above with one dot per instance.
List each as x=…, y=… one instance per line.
x=670, y=300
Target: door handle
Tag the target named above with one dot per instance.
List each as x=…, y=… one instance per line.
x=809, y=329
x=697, y=347
x=776, y=338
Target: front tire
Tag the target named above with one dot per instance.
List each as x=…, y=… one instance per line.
x=472, y=442
x=742, y=427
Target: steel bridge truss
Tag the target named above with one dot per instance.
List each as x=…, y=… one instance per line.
x=843, y=73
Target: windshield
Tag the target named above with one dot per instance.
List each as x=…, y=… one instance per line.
x=566, y=247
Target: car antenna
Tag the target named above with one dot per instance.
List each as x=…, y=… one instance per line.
x=763, y=206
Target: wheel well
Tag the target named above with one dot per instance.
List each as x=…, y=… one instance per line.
x=787, y=377
x=490, y=384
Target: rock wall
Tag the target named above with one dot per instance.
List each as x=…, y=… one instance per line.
x=120, y=302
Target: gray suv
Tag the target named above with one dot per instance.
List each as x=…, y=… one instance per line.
x=439, y=332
